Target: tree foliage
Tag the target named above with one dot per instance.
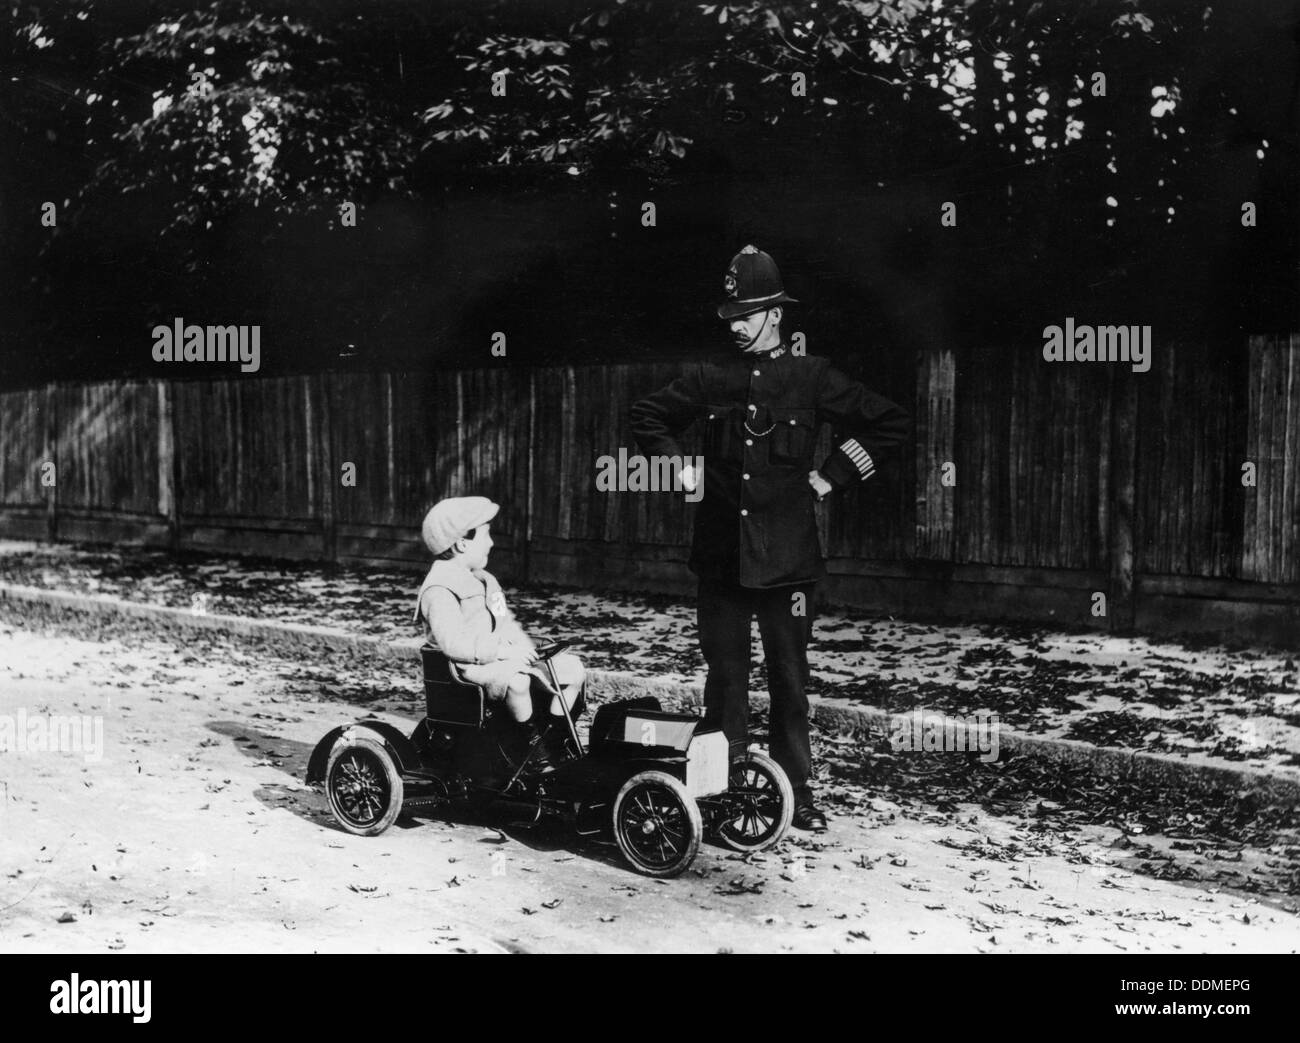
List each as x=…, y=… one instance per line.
x=205, y=114
x=286, y=105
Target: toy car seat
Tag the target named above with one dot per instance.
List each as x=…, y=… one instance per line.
x=449, y=698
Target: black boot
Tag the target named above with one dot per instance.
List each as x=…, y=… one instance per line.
x=537, y=748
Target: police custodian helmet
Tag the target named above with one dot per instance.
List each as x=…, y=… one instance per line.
x=753, y=283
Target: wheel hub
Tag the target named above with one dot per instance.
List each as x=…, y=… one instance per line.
x=360, y=790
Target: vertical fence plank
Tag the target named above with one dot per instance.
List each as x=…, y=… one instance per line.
x=52, y=456
x=530, y=504
x=1290, y=536
x=1101, y=499
x=168, y=498
x=1263, y=489
x=564, y=476
x=1278, y=521
x=1120, y=603
x=323, y=436
x=935, y=531
x=1251, y=565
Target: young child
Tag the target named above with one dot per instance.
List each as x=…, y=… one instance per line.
x=466, y=618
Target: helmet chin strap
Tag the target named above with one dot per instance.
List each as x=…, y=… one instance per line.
x=761, y=330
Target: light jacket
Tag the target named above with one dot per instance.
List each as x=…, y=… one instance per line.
x=465, y=615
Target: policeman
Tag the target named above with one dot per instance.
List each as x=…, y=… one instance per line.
x=756, y=550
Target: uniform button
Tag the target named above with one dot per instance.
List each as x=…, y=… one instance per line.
x=749, y=441
x=755, y=372
x=744, y=513
x=792, y=421
x=712, y=415
x=745, y=476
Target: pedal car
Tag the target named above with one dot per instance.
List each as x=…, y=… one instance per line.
x=657, y=781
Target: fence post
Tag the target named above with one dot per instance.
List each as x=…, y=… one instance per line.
x=329, y=475
x=168, y=464
x=566, y=477
x=459, y=469
x=1121, y=610
x=528, y=496
x=52, y=456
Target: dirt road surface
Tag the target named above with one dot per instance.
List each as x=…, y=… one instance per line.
x=194, y=832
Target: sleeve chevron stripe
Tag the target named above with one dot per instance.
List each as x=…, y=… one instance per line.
x=860, y=457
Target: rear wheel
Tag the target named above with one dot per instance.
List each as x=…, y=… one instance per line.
x=363, y=786
x=760, y=804
x=657, y=824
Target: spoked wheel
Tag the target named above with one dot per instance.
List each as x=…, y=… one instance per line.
x=363, y=786
x=760, y=804
x=657, y=824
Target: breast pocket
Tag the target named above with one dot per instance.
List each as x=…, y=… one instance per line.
x=718, y=435
x=792, y=436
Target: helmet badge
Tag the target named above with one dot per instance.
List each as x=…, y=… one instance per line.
x=729, y=283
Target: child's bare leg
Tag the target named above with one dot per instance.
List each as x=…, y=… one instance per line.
x=519, y=698
x=572, y=673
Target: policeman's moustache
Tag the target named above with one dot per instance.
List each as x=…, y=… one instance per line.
x=761, y=330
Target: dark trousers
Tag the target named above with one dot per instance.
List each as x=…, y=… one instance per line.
x=723, y=616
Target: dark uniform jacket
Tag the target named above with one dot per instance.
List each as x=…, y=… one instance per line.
x=755, y=524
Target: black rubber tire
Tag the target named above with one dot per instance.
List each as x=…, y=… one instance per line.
x=363, y=786
x=770, y=804
x=657, y=824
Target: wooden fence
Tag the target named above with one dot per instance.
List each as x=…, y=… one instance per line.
x=1030, y=486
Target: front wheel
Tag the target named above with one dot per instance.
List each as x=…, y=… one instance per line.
x=657, y=824
x=363, y=786
x=759, y=802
